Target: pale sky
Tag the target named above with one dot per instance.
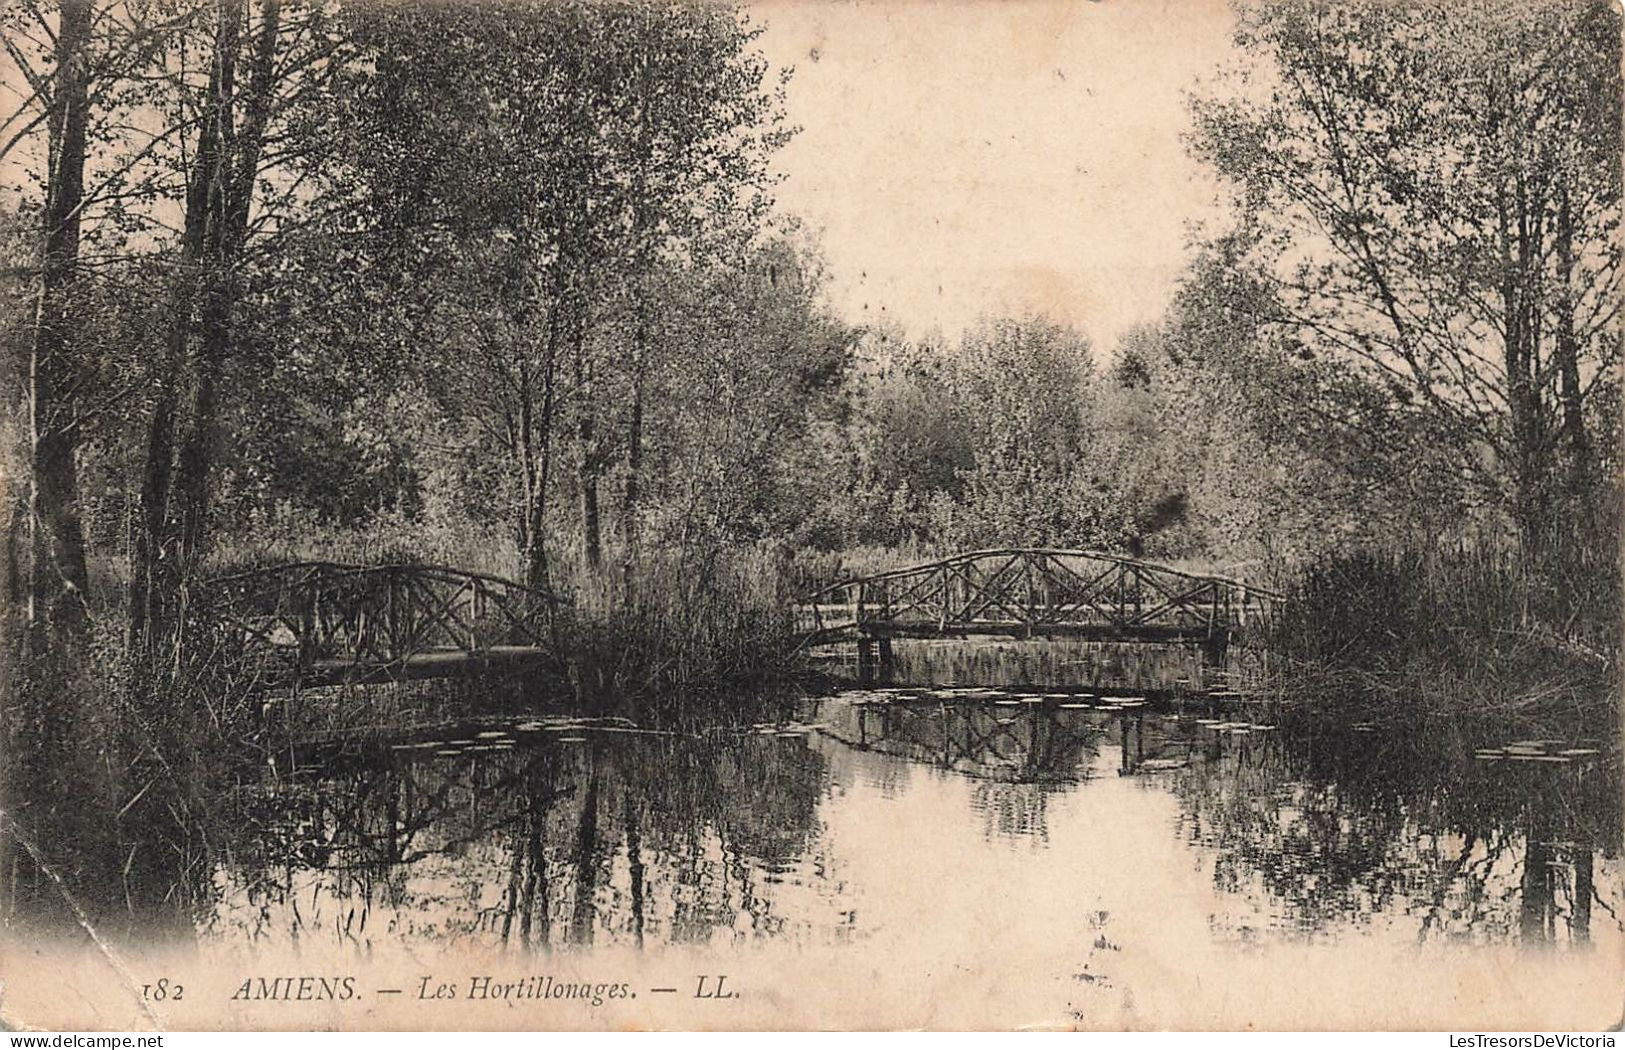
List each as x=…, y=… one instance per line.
x=964, y=157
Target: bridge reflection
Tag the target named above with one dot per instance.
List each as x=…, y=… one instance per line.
x=1018, y=742
x=1320, y=824
x=1035, y=739
x=566, y=833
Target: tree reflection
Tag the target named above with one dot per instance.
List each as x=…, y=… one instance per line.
x=1339, y=825
x=616, y=836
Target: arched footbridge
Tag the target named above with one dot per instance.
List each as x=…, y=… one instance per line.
x=326, y=623
x=1036, y=593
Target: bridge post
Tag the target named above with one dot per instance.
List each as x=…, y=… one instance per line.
x=1215, y=648
x=874, y=657
x=1030, y=608
x=866, y=659
x=306, y=650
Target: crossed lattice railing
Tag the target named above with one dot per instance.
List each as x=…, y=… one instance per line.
x=308, y=615
x=1035, y=591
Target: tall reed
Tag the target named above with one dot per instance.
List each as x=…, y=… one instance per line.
x=1463, y=629
x=677, y=628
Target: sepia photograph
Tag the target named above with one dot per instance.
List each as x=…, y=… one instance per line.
x=695, y=515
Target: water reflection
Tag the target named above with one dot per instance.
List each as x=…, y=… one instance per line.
x=1020, y=739
x=538, y=840
x=1336, y=827
x=839, y=820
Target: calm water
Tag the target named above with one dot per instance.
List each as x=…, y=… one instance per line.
x=874, y=816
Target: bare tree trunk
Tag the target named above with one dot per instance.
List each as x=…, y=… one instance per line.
x=57, y=612
x=527, y=464
x=640, y=332
x=1519, y=356
x=46, y=740
x=1568, y=351
x=536, y=567
x=174, y=493
x=634, y=446
x=14, y=580
x=586, y=438
x=234, y=192
x=153, y=577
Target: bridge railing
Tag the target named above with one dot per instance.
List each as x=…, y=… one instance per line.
x=302, y=615
x=1036, y=591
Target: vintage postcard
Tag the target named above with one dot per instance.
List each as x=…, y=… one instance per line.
x=885, y=514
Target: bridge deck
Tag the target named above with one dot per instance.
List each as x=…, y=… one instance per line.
x=1085, y=632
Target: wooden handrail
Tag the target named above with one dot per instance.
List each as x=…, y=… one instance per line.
x=1008, y=552
x=350, y=569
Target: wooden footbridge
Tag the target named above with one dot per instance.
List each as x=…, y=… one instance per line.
x=322, y=623
x=1036, y=593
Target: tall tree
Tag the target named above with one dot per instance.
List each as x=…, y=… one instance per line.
x=260, y=68
x=1033, y=477
x=1433, y=190
x=600, y=141
x=57, y=612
